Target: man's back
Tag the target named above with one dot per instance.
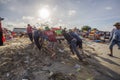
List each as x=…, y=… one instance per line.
x=29, y=29
x=67, y=36
x=75, y=35
x=38, y=33
x=50, y=34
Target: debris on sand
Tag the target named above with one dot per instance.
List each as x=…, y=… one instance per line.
x=21, y=60
x=61, y=76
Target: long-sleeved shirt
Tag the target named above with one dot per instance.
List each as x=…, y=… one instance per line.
x=38, y=33
x=29, y=29
x=75, y=36
x=67, y=36
x=116, y=35
x=111, y=33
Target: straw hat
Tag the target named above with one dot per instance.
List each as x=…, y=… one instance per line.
x=117, y=24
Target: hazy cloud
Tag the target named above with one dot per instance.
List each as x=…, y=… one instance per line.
x=55, y=8
x=12, y=8
x=108, y=8
x=60, y=20
x=4, y=1
x=95, y=13
x=27, y=18
x=71, y=12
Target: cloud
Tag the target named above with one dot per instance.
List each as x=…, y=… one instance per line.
x=27, y=18
x=71, y=12
x=78, y=1
x=60, y=20
x=4, y=1
x=108, y=8
x=55, y=8
x=12, y=8
x=10, y=25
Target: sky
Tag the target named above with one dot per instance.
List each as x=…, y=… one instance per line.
x=101, y=14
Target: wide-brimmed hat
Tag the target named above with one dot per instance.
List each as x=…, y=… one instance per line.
x=117, y=24
x=40, y=28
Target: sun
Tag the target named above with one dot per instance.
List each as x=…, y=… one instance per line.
x=44, y=13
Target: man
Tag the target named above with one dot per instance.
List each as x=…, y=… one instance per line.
x=29, y=32
x=115, y=38
x=76, y=36
x=1, y=32
x=38, y=38
x=50, y=36
x=72, y=42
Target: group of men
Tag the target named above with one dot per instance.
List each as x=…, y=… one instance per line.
x=39, y=36
x=71, y=37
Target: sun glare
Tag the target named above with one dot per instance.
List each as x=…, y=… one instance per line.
x=44, y=13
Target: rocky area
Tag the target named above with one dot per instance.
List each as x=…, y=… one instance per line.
x=21, y=60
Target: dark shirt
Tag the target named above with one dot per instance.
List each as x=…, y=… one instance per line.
x=38, y=33
x=67, y=36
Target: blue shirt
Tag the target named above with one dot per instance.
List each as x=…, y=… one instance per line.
x=38, y=33
x=75, y=36
x=116, y=35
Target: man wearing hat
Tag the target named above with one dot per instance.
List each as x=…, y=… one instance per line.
x=115, y=38
x=1, y=33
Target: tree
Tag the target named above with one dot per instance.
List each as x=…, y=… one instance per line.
x=94, y=29
x=86, y=28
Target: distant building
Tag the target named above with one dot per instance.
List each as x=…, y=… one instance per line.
x=19, y=30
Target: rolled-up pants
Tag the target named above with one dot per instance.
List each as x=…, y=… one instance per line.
x=113, y=43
